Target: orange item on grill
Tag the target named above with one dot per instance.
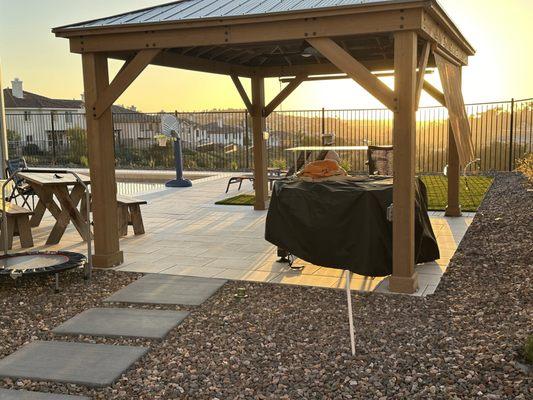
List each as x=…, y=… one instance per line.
x=322, y=169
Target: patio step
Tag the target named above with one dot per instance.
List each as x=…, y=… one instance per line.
x=167, y=289
x=126, y=322
x=94, y=365
x=7, y=394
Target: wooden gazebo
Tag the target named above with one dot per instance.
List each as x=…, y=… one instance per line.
x=302, y=39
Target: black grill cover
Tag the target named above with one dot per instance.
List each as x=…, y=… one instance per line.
x=343, y=224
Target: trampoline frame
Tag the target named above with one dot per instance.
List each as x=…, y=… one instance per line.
x=88, y=267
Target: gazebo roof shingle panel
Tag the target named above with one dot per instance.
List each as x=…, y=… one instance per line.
x=187, y=10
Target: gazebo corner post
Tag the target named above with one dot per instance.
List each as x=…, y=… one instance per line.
x=260, y=149
x=101, y=152
x=404, y=278
x=453, y=208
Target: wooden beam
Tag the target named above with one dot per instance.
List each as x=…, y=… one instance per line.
x=101, y=164
x=422, y=64
x=345, y=62
x=286, y=92
x=404, y=278
x=181, y=36
x=344, y=76
x=260, y=150
x=127, y=74
x=242, y=92
x=434, y=92
x=432, y=31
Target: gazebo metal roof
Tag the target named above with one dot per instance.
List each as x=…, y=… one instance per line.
x=187, y=10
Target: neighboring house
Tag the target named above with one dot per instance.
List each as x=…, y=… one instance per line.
x=35, y=119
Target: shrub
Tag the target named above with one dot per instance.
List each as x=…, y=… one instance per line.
x=525, y=166
x=279, y=163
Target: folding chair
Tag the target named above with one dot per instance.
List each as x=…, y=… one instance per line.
x=380, y=160
x=21, y=189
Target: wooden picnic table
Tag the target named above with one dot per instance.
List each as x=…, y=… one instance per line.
x=49, y=185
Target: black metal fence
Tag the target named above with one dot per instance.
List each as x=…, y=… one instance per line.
x=222, y=141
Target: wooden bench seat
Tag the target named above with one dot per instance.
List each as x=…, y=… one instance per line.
x=129, y=213
x=18, y=224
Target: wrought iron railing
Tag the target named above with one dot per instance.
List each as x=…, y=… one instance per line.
x=222, y=141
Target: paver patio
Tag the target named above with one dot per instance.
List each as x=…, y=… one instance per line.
x=188, y=235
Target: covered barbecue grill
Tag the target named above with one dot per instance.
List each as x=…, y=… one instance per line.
x=344, y=224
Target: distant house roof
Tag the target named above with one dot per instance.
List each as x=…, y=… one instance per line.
x=185, y=10
x=32, y=100
x=213, y=128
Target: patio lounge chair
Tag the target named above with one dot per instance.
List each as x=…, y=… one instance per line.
x=20, y=189
x=380, y=160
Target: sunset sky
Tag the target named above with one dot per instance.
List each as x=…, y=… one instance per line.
x=501, y=32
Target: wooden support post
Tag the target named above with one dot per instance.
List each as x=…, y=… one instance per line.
x=260, y=150
x=404, y=278
x=101, y=163
x=453, y=209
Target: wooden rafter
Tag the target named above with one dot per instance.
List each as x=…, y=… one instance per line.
x=422, y=64
x=242, y=92
x=357, y=71
x=127, y=74
x=291, y=87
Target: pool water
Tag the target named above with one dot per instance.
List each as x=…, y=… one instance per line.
x=138, y=188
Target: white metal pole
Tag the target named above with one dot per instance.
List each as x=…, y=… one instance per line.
x=350, y=312
x=3, y=129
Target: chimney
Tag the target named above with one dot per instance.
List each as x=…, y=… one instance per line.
x=16, y=88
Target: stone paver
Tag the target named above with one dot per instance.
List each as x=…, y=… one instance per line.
x=127, y=322
x=6, y=394
x=167, y=289
x=86, y=364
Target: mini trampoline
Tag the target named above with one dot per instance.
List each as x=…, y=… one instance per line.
x=36, y=263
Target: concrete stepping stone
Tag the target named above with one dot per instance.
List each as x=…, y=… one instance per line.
x=6, y=394
x=168, y=289
x=95, y=365
x=127, y=322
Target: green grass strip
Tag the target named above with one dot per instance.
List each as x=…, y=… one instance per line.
x=240, y=200
x=437, y=187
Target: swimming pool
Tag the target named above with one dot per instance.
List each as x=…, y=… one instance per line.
x=131, y=188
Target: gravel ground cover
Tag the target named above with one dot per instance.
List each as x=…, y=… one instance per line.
x=289, y=342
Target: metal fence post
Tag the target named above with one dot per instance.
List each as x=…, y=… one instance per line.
x=247, y=142
x=511, y=138
x=323, y=130
x=52, y=120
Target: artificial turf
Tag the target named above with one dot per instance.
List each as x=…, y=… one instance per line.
x=471, y=192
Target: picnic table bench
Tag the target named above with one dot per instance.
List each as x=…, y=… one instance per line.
x=129, y=213
x=18, y=224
